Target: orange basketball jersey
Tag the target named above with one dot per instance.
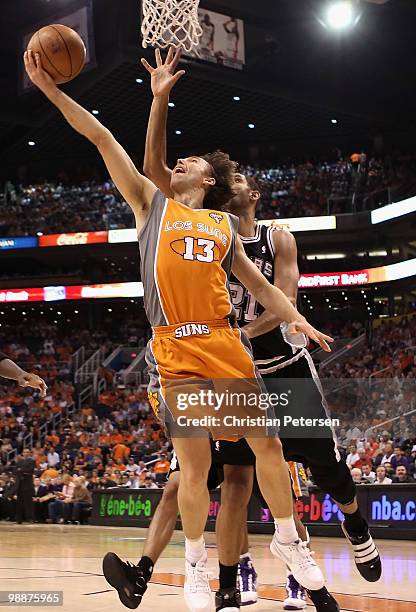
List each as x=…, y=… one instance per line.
x=186, y=258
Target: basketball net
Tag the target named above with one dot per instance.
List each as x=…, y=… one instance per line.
x=169, y=23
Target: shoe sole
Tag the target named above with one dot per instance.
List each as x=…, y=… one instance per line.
x=116, y=578
x=249, y=602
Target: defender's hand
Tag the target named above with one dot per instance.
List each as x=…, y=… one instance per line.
x=306, y=328
x=27, y=379
x=36, y=73
x=164, y=76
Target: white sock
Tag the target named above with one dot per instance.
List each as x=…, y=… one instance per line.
x=194, y=549
x=286, y=530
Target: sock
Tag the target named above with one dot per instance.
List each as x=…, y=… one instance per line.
x=228, y=576
x=286, y=530
x=194, y=549
x=354, y=523
x=146, y=566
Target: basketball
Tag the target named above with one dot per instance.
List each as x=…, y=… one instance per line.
x=62, y=51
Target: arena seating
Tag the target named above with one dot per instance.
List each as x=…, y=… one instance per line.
x=290, y=190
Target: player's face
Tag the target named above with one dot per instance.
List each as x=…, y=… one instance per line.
x=241, y=200
x=190, y=173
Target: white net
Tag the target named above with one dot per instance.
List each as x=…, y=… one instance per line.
x=173, y=23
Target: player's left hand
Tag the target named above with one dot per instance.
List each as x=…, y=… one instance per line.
x=164, y=77
x=306, y=328
x=27, y=379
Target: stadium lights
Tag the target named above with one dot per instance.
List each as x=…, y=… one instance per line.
x=31, y=143
x=340, y=14
x=95, y=112
x=171, y=104
x=178, y=132
x=139, y=81
x=334, y=121
x=251, y=126
x=236, y=98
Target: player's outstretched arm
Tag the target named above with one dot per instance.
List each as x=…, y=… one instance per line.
x=163, y=78
x=10, y=369
x=272, y=298
x=136, y=189
x=286, y=277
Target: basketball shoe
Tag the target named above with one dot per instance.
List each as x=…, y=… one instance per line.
x=295, y=599
x=129, y=581
x=197, y=591
x=323, y=601
x=298, y=559
x=247, y=581
x=227, y=600
x=366, y=556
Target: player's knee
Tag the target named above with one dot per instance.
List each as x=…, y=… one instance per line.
x=194, y=476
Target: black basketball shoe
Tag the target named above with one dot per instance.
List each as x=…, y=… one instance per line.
x=128, y=580
x=323, y=600
x=366, y=556
x=227, y=600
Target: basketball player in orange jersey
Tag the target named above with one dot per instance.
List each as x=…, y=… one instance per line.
x=187, y=252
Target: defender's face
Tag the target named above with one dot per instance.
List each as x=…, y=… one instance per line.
x=190, y=173
x=241, y=200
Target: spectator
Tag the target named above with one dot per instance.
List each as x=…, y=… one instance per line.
x=352, y=456
x=41, y=499
x=401, y=475
x=381, y=477
x=53, y=458
x=80, y=501
x=162, y=468
x=399, y=458
x=356, y=475
x=132, y=465
x=63, y=495
x=388, y=453
x=368, y=475
x=149, y=483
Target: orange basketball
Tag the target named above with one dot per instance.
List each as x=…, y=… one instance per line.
x=61, y=49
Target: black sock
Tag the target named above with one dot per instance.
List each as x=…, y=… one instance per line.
x=228, y=576
x=354, y=523
x=146, y=566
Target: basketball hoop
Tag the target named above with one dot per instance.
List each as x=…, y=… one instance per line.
x=171, y=23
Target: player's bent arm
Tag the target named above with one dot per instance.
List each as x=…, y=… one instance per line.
x=272, y=298
x=155, y=166
x=286, y=278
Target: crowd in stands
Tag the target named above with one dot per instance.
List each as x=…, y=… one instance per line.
x=291, y=190
x=116, y=441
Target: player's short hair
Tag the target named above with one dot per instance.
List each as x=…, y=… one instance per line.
x=223, y=170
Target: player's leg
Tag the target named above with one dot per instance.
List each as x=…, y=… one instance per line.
x=274, y=482
x=333, y=476
x=236, y=490
x=246, y=576
x=194, y=456
x=129, y=580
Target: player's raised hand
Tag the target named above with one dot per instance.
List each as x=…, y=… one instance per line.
x=35, y=71
x=164, y=76
x=27, y=379
x=302, y=326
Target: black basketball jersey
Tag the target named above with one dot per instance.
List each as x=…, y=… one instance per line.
x=271, y=351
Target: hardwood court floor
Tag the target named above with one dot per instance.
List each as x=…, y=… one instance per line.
x=68, y=558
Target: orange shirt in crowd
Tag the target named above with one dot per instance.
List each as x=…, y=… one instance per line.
x=120, y=451
x=116, y=439
x=162, y=466
x=50, y=473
